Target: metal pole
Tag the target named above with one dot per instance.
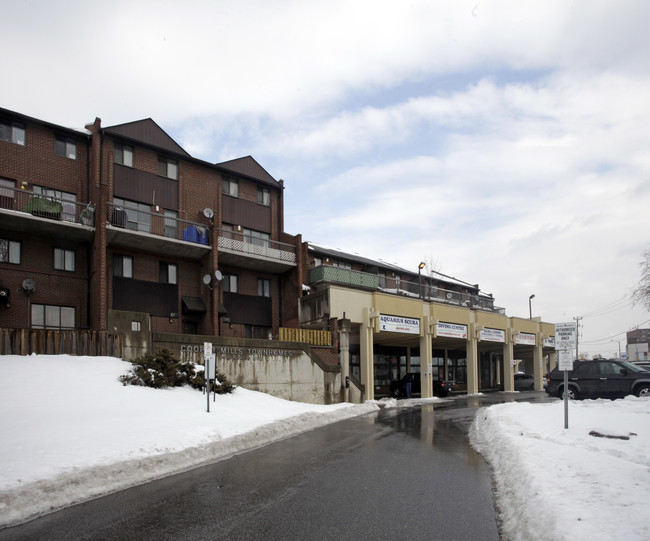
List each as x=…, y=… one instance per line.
x=566, y=399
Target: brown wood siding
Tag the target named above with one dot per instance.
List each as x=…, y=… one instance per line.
x=141, y=296
x=144, y=187
x=247, y=214
x=248, y=309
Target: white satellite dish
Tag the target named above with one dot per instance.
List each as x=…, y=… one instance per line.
x=206, y=279
x=208, y=213
x=218, y=275
x=29, y=285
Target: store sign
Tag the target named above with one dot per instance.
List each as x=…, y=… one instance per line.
x=399, y=324
x=451, y=330
x=549, y=342
x=525, y=339
x=493, y=335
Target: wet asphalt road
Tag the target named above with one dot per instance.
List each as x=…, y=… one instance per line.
x=400, y=473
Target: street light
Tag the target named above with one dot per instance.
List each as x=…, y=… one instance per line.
x=619, y=347
x=530, y=306
x=420, y=267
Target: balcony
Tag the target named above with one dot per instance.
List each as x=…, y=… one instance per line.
x=242, y=250
x=37, y=214
x=428, y=292
x=156, y=232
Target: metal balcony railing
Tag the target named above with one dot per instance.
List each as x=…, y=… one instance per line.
x=427, y=292
x=62, y=208
x=248, y=244
x=156, y=223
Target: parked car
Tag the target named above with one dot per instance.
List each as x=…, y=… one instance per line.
x=524, y=382
x=440, y=387
x=600, y=378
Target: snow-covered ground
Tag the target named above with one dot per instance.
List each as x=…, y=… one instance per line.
x=71, y=431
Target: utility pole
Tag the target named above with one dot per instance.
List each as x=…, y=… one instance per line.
x=577, y=334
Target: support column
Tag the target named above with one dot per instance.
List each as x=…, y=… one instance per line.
x=472, y=360
x=366, y=336
x=344, y=344
x=426, y=358
x=538, y=369
x=508, y=354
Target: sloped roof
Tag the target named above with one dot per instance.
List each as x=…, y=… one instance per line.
x=249, y=167
x=148, y=132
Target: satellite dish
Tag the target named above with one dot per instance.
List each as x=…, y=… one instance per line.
x=29, y=285
x=208, y=213
x=449, y=296
x=206, y=279
x=218, y=275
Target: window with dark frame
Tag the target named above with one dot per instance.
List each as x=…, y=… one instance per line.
x=230, y=283
x=123, y=154
x=263, y=287
x=12, y=132
x=230, y=186
x=167, y=273
x=264, y=197
x=64, y=259
x=9, y=251
x=66, y=147
x=122, y=266
x=46, y=316
x=167, y=167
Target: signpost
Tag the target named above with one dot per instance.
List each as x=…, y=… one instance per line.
x=566, y=336
x=209, y=368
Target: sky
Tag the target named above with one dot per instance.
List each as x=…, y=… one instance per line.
x=503, y=143
x=549, y=482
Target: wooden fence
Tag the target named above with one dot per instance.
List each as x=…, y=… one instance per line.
x=56, y=342
x=308, y=336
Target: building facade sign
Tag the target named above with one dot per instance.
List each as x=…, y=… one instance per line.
x=493, y=335
x=525, y=339
x=451, y=330
x=405, y=325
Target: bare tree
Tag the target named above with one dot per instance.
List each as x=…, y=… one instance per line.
x=641, y=294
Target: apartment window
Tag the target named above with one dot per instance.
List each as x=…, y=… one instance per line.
x=263, y=287
x=9, y=251
x=230, y=187
x=64, y=259
x=138, y=215
x=12, y=132
x=167, y=167
x=122, y=266
x=342, y=265
x=46, y=316
x=123, y=154
x=264, y=197
x=382, y=279
x=136, y=326
x=67, y=200
x=167, y=273
x=256, y=237
x=7, y=187
x=66, y=147
x=230, y=283
x=171, y=224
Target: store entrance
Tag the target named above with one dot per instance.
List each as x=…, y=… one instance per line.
x=392, y=364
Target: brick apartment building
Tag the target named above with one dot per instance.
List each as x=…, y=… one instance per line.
x=119, y=230
x=105, y=221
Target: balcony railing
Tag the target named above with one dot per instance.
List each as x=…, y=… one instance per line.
x=427, y=292
x=46, y=206
x=250, y=245
x=156, y=223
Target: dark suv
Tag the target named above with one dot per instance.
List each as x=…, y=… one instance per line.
x=600, y=378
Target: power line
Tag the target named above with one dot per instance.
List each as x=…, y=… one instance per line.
x=623, y=302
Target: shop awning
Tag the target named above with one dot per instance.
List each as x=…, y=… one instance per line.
x=193, y=305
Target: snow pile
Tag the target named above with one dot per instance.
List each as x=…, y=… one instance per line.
x=590, y=481
x=71, y=431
